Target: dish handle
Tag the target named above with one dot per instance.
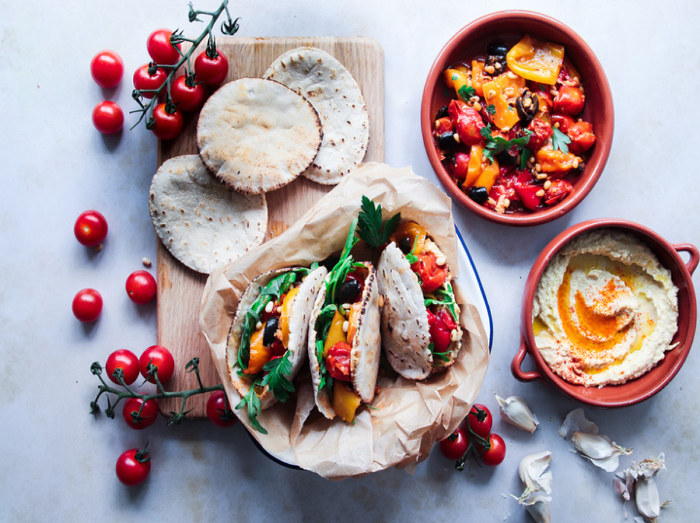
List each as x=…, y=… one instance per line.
x=516, y=365
x=694, y=255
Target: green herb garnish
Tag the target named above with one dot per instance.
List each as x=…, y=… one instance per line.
x=370, y=227
x=498, y=144
x=560, y=141
x=252, y=401
x=466, y=92
x=491, y=109
x=277, y=371
x=525, y=155
x=444, y=296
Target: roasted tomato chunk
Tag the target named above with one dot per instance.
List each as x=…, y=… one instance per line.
x=338, y=361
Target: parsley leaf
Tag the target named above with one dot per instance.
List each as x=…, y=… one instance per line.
x=497, y=144
x=560, y=141
x=466, y=92
x=491, y=109
x=278, y=371
x=525, y=155
x=369, y=226
x=252, y=401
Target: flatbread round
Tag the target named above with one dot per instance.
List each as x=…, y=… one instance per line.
x=203, y=223
x=257, y=135
x=405, y=330
x=298, y=328
x=338, y=99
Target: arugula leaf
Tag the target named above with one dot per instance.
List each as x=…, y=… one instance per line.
x=277, y=371
x=498, y=144
x=444, y=296
x=252, y=401
x=560, y=141
x=466, y=92
x=370, y=224
x=439, y=355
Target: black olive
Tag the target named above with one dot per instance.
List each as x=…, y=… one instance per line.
x=498, y=63
x=442, y=112
x=497, y=49
x=349, y=290
x=405, y=244
x=527, y=106
x=446, y=141
x=478, y=194
x=508, y=157
x=581, y=167
x=270, y=328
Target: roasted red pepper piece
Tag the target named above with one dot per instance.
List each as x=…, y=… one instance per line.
x=557, y=191
x=528, y=190
x=338, y=361
x=541, y=132
x=432, y=275
x=466, y=121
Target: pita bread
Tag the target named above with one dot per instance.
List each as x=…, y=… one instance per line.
x=338, y=99
x=404, y=325
x=366, y=348
x=203, y=223
x=298, y=328
x=257, y=135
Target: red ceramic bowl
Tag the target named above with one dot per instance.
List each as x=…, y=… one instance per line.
x=511, y=26
x=657, y=378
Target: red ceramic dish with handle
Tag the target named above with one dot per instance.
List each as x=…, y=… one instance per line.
x=645, y=386
x=510, y=27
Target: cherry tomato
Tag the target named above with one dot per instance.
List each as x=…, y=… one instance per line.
x=187, y=94
x=160, y=48
x=107, y=69
x=90, y=228
x=126, y=361
x=480, y=420
x=133, y=467
x=161, y=358
x=148, y=77
x=148, y=415
x=211, y=71
x=461, y=163
x=219, y=411
x=496, y=453
x=338, y=361
x=582, y=137
x=441, y=325
x=541, y=132
x=569, y=100
x=455, y=445
x=107, y=117
x=564, y=120
x=141, y=287
x=432, y=275
x=87, y=305
x=557, y=191
x=467, y=121
x=167, y=125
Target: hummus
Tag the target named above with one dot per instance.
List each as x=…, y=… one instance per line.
x=605, y=310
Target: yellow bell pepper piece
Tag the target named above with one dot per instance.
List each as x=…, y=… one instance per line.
x=488, y=175
x=415, y=232
x=552, y=161
x=478, y=76
x=345, y=401
x=502, y=92
x=456, y=79
x=285, y=315
x=481, y=172
x=352, y=324
x=335, y=333
x=259, y=354
x=536, y=60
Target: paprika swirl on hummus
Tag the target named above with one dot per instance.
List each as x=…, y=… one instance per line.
x=605, y=310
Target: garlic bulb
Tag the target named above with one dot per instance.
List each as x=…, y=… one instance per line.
x=599, y=450
x=515, y=411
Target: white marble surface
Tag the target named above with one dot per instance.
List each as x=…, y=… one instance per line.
x=56, y=461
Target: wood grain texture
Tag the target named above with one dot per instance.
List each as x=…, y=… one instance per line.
x=180, y=288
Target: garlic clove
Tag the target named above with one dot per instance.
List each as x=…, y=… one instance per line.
x=538, y=508
x=599, y=450
x=515, y=411
x=533, y=472
x=646, y=496
x=576, y=421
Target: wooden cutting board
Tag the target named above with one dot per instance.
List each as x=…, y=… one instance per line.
x=180, y=288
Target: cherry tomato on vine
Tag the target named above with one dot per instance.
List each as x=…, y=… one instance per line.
x=211, y=71
x=126, y=361
x=148, y=415
x=219, y=410
x=497, y=453
x=187, y=94
x=133, y=466
x=167, y=125
x=87, y=305
x=149, y=77
x=160, y=48
x=480, y=420
x=90, y=228
x=107, y=69
x=107, y=117
x=141, y=287
x=163, y=361
x=455, y=445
